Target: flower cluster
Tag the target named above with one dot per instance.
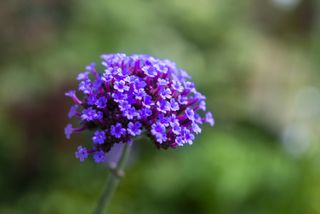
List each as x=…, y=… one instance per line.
x=135, y=95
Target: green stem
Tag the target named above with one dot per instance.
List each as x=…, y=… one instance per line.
x=112, y=181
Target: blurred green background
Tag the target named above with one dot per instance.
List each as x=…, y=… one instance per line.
x=257, y=61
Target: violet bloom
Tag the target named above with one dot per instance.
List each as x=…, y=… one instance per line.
x=81, y=153
x=101, y=102
x=99, y=137
x=132, y=96
x=159, y=131
x=68, y=131
x=99, y=156
x=91, y=114
x=73, y=111
x=117, y=130
x=134, y=128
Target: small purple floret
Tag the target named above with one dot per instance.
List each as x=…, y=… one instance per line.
x=159, y=131
x=68, y=131
x=85, y=86
x=196, y=128
x=81, y=153
x=176, y=129
x=174, y=106
x=149, y=71
x=165, y=93
x=83, y=76
x=139, y=95
x=73, y=111
x=147, y=101
x=99, y=157
x=91, y=99
x=99, y=137
x=134, y=128
x=117, y=130
x=121, y=86
x=209, y=119
x=190, y=114
x=202, y=105
x=163, y=106
x=101, y=102
x=70, y=93
x=139, y=84
x=91, y=114
x=145, y=113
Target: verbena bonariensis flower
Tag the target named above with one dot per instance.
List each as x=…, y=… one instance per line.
x=134, y=95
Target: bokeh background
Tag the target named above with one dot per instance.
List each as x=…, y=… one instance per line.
x=257, y=61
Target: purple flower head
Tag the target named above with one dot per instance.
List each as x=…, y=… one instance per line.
x=134, y=93
x=99, y=137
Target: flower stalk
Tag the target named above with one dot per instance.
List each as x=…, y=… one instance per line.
x=113, y=180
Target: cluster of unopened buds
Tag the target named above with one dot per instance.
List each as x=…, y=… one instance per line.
x=135, y=95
